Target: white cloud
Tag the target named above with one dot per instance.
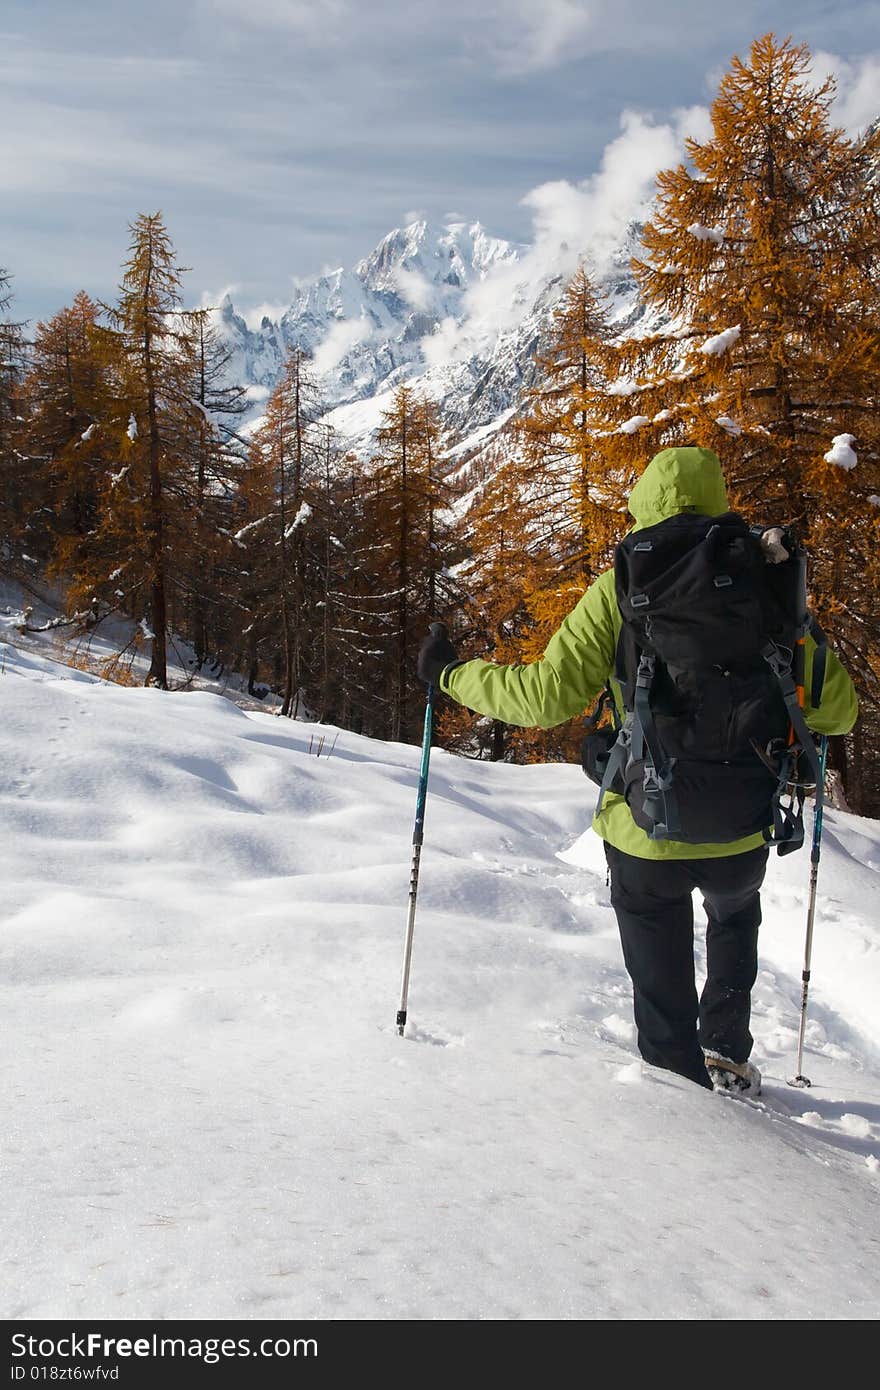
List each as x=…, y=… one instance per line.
x=695, y=122
x=447, y=343
x=254, y=316
x=570, y=222
x=593, y=215
x=210, y=299
x=857, y=102
x=413, y=287
x=534, y=35
x=344, y=334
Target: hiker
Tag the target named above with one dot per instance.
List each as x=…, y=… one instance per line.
x=652, y=876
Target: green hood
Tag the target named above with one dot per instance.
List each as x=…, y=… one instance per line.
x=679, y=480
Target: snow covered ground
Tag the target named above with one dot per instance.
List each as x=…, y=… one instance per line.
x=208, y=1111
x=33, y=617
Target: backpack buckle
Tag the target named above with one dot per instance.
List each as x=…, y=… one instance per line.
x=656, y=780
x=776, y=659
x=645, y=673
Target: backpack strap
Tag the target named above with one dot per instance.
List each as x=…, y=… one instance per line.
x=820, y=660
x=658, y=777
x=788, y=820
x=781, y=668
x=787, y=831
x=618, y=758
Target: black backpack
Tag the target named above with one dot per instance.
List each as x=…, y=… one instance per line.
x=713, y=746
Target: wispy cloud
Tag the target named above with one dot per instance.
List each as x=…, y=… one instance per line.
x=412, y=287
x=857, y=102
x=536, y=35
x=342, y=337
x=571, y=222
x=315, y=18
x=280, y=135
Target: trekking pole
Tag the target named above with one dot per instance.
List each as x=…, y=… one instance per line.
x=799, y=1079
x=437, y=630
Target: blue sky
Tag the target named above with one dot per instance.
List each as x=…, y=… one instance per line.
x=280, y=137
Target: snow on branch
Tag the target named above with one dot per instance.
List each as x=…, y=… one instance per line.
x=251, y=526
x=623, y=386
x=713, y=234
x=714, y=347
x=729, y=425
x=635, y=422
x=300, y=519
x=841, y=452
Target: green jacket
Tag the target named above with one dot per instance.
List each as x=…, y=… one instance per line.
x=579, y=658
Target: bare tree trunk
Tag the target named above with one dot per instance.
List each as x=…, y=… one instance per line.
x=287, y=701
x=158, y=673
x=253, y=665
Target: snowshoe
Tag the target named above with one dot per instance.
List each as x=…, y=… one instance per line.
x=734, y=1078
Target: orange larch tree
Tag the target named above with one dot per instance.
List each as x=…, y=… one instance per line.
x=14, y=473
x=410, y=547
x=66, y=393
x=762, y=256
x=285, y=458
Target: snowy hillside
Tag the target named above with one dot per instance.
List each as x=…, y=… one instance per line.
x=461, y=311
x=33, y=617
x=209, y=1111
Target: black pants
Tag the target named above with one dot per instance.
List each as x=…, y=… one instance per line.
x=655, y=914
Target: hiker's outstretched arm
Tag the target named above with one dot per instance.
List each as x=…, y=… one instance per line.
x=562, y=683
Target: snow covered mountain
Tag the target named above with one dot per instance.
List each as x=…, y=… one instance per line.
x=458, y=309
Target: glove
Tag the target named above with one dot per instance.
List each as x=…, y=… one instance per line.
x=435, y=654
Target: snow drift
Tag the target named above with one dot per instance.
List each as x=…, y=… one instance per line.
x=210, y=1114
